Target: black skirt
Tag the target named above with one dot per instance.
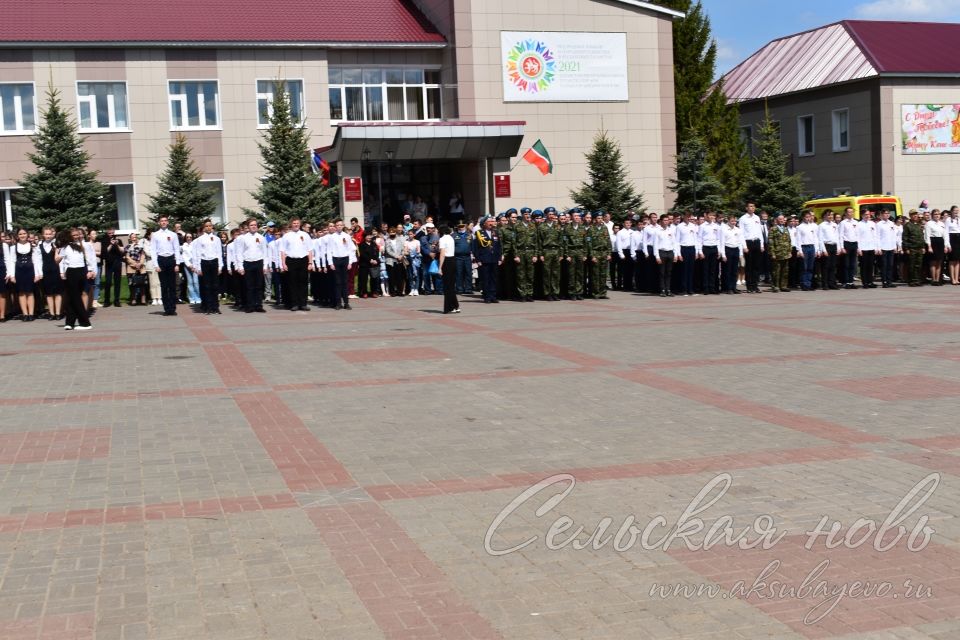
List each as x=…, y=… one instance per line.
x=937, y=245
x=954, y=247
x=24, y=273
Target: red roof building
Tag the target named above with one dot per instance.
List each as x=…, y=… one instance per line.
x=862, y=106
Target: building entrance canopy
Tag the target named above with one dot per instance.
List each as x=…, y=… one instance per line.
x=406, y=141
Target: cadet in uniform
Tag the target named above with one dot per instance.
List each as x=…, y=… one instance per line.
x=575, y=252
x=506, y=275
x=780, y=253
x=208, y=264
x=551, y=247
x=600, y=251
x=914, y=246
x=165, y=247
x=489, y=255
x=526, y=250
x=249, y=255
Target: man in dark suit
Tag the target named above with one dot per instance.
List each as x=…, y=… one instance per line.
x=489, y=254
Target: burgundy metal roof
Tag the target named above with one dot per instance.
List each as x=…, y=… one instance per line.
x=843, y=52
x=161, y=22
x=908, y=47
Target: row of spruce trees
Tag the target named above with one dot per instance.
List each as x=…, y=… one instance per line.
x=63, y=192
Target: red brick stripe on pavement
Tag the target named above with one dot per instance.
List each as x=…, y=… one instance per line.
x=39, y=521
x=717, y=362
x=52, y=446
x=553, y=350
x=232, y=366
x=407, y=595
x=68, y=626
x=749, y=409
x=819, y=335
x=936, y=442
x=304, y=463
x=892, y=388
x=686, y=466
x=933, y=460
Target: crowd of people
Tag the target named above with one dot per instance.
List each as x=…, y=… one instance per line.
x=518, y=255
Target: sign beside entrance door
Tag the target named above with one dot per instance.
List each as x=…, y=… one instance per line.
x=501, y=186
x=352, y=189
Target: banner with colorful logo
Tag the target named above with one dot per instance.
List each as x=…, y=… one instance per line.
x=930, y=128
x=551, y=66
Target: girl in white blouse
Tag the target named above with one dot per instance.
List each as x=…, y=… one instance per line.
x=78, y=265
x=934, y=234
x=25, y=265
x=953, y=239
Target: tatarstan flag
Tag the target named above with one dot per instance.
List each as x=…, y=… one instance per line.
x=538, y=157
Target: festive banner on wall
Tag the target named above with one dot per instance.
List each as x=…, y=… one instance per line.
x=551, y=66
x=930, y=128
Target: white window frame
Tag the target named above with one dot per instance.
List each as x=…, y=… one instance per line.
x=424, y=86
x=183, y=109
x=813, y=136
x=136, y=217
x=223, y=187
x=269, y=99
x=111, y=108
x=18, y=112
x=837, y=148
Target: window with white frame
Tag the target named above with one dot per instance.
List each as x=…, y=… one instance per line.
x=194, y=104
x=18, y=107
x=805, y=135
x=265, y=92
x=841, y=130
x=103, y=106
x=123, y=196
x=216, y=189
x=384, y=93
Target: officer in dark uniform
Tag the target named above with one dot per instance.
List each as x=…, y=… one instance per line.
x=489, y=254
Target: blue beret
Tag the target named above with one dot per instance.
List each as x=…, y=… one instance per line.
x=550, y=210
x=526, y=210
x=538, y=214
x=511, y=210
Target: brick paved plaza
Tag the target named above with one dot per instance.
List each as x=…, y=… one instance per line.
x=176, y=478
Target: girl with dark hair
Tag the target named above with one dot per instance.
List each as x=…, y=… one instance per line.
x=78, y=264
x=448, y=270
x=25, y=266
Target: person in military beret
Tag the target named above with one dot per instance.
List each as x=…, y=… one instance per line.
x=915, y=247
x=551, y=248
x=781, y=251
x=599, y=251
x=526, y=250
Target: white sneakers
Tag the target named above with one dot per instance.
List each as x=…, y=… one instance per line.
x=68, y=327
x=414, y=293
x=86, y=328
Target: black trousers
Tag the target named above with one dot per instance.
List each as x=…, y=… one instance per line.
x=111, y=282
x=753, y=261
x=653, y=271
x=488, y=281
x=689, y=255
x=626, y=270
x=711, y=269
x=666, y=270
x=168, y=282
x=76, y=311
x=866, y=267
x=850, y=262
x=886, y=267
x=732, y=266
x=209, y=280
x=368, y=279
x=616, y=271
x=297, y=279
x=449, y=267
x=341, y=267
x=276, y=280
x=397, y=282
x=828, y=278
x=253, y=285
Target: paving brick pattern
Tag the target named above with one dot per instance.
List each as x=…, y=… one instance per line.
x=338, y=474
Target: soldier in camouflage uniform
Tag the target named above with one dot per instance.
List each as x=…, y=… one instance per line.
x=915, y=247
x=599, y=253
x=551, y=248
x=526, y=249
x=506, y=276
x=575, y=253
x=779, y=249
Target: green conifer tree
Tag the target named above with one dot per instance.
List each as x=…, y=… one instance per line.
x=697, y=189
x=62, y=192
x=289, y=187
x=609, y=187
x=770, y=187
x=180, y=195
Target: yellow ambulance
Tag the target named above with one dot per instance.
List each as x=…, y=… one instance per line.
x=875, y=203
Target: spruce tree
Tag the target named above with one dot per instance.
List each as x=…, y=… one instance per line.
x=62, y=192
x=609, y=187
x=770, y=188
x=180, y=195
x=697, y=189
x=289, y=187
x=702, y=108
